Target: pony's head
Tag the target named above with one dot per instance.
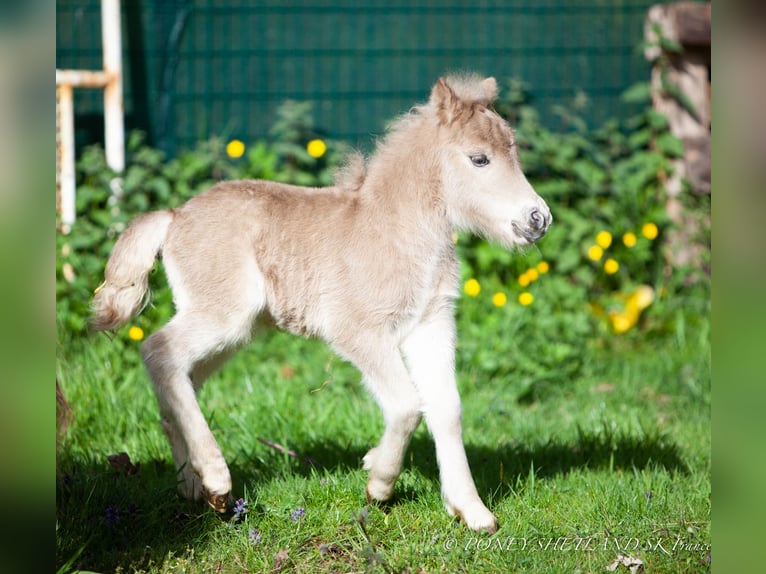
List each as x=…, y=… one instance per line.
x=483, y=186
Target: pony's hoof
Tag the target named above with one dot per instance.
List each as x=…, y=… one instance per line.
x=218, y=502
x=476, y=517
x=378, y=491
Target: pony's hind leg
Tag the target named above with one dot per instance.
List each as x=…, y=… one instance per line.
x=178, y=357
x=190, y=483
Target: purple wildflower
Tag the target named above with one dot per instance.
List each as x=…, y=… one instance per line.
x=111, y=516
x=297, y=513
x=240, y=508
x=254, y=536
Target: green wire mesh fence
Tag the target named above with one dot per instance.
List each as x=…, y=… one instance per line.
x=197, y=68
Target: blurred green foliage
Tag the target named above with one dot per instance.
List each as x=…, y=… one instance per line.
x=605, y=188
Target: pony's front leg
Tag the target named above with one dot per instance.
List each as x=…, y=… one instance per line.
x=430, y=354
x=386, y=376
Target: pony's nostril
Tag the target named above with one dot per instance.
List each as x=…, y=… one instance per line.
x=536, y=219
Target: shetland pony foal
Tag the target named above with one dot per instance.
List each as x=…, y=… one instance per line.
x=368, y=265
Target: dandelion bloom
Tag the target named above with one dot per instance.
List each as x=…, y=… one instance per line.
x=316, y=148
x=604, y=239
x=235, y=149
x=526, y=298
x=524, y=279
x=641, y=298
x=649, y=230
x=472, y=287
x=543, y=267
x=629, y=239
x=136, y=333
x=499, y=299
x=595, y=253
x=621, y=322
x=532, y=274
x=611, y=266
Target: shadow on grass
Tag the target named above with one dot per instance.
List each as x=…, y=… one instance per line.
x=109, y=518
x=602, y=451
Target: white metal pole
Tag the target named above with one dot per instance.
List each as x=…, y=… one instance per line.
x=66, y=135
x=114, y=128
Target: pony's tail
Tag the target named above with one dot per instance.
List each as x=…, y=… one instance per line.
x=124, y=292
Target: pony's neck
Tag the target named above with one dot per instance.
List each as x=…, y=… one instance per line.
x=404, y=175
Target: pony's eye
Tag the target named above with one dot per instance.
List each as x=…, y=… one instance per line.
x=479, y=160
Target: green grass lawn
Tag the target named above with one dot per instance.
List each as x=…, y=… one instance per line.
x=579, y=468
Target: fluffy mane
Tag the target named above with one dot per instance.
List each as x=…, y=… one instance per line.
x=351, y=175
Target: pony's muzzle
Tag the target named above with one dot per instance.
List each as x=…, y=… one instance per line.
x=538, y=221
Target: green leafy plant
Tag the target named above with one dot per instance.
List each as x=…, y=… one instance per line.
x=303, y=157
x=600, y=271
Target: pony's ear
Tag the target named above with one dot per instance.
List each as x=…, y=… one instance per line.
x=489, y=89
x=445, y=102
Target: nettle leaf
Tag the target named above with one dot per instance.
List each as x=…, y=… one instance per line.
x=161, y=188
x=139, y=202
x=568, y=259
x=88, y=197
x=640, y=93
x=670, y=45
x=670, y=144
x=552, y=188
x=134, y=178
x=657, y=120
x=584, y=275
x=489, y=256
x=588, y=172
x=640, y=139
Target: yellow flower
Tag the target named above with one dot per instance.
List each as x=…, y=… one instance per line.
x=532, y=274
x=316, y=148
x=472, y=287
x=526, y=298
x=595, y=253
x=235, y=149
x=499, y=299
x=649, y=230
x=629, y=239
x=524, y=279
x=611, y=266
x=641, y=297
x=639, y=300
x=621, y=322
x=136, y=333
x=543, y=267
x=604, y=239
